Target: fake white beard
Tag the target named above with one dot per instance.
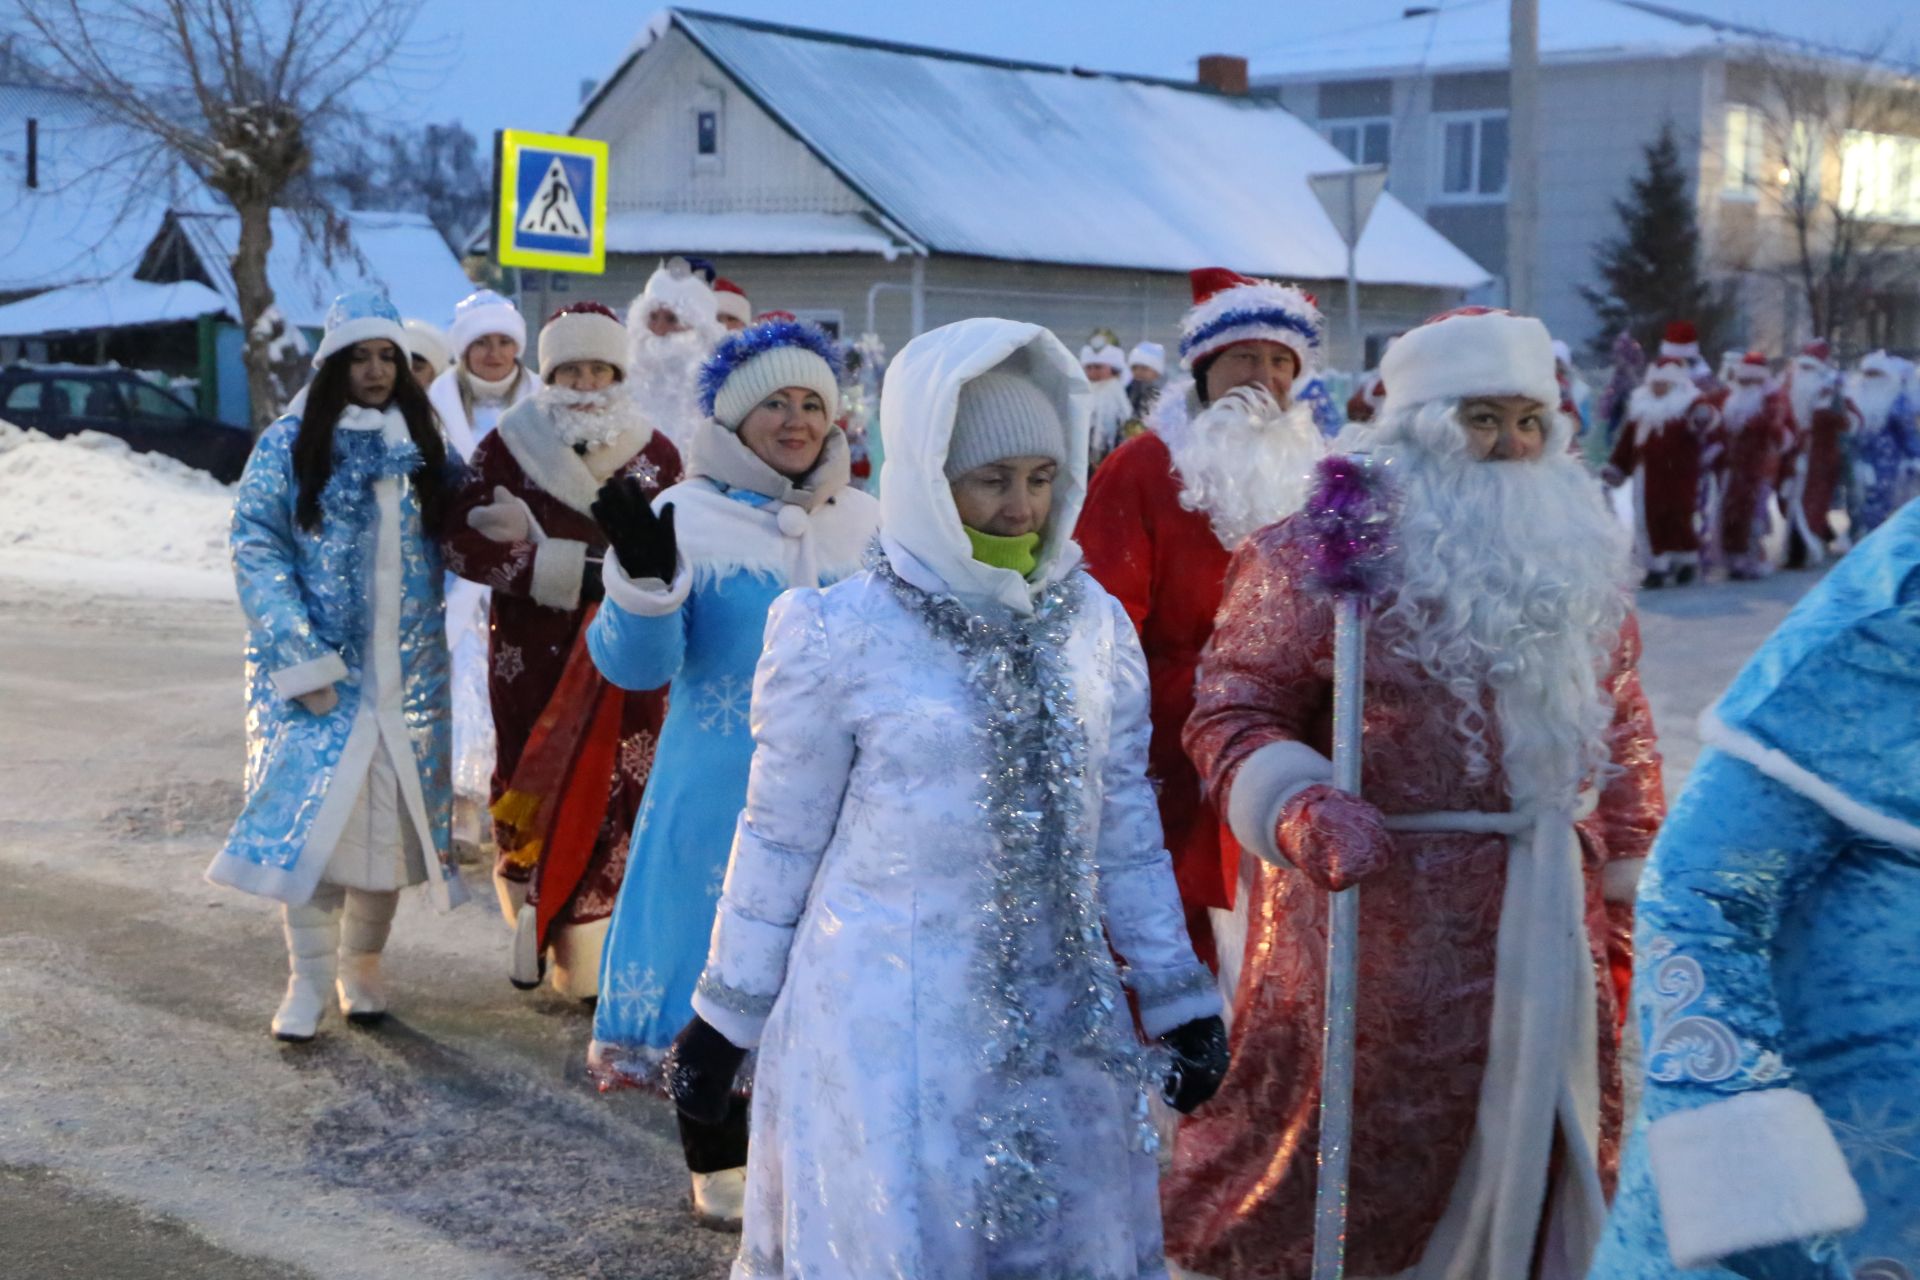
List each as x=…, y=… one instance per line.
x=1513, y=575
x=663, y=379
x=1874, y=398
x=1111, y=409
x=1650, y=410
x=591, y=418
x=1805, y=390
x=1244, y=472
x=1744, y=404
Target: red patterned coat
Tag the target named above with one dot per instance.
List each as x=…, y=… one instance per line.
x=1750, y=469
x=538, y=613
x=1166, y=566
x=1238, y=1201
x=1811, y=471
x=1669, y=455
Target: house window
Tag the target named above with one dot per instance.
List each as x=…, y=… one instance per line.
x=706, y=133
x=1880, y=176
x=1473, y=157
x=1740, y=167
x=831, y=321
x=1362, y=141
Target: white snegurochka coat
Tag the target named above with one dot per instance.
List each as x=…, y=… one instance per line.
x=858, y=892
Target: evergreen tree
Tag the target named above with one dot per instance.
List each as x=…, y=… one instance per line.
x=1651, y=270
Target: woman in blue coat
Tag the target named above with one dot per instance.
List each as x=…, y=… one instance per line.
x=348, y=798
x=766, y=506
x=1778, y=972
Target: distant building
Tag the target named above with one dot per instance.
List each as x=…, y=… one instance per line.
x=1427, y=95
x=884, y=186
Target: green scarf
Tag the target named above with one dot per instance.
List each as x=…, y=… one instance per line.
x=1015, y=553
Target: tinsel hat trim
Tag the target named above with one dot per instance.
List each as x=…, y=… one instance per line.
x=1249, y=310
x=736, y=350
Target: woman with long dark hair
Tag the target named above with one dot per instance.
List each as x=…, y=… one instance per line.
x=335, y=554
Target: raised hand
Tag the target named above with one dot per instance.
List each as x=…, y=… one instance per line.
x=643, y=541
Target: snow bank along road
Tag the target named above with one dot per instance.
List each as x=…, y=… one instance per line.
x=148, y=1124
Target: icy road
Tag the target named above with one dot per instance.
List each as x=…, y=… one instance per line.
x=149, y=1127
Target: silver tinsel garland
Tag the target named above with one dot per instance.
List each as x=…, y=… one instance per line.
x=1042, y=923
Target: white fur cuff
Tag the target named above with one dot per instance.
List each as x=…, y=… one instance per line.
x=1748, y=1171
x=310, y=676
x=558, y=566
x=1620, y=879
x=1267, y=779
x=646, y=597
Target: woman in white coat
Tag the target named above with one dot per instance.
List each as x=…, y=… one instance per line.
x=948, y=822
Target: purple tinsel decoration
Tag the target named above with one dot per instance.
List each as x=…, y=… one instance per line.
x=1349, y=527
x=750, y=342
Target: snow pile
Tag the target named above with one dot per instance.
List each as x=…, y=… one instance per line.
x=88, y=510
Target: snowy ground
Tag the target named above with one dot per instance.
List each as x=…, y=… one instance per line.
x=145, y=1112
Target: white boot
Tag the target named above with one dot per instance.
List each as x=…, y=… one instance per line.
x=363, y=936
x=720, y=1198
x=526, y=963
x=313, y=941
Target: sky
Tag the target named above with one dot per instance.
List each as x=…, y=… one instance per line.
x=520, y=63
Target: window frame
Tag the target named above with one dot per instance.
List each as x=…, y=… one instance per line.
x=1360, y=125
x=1903, y=152
x=1752, y=165
x=1476, y=120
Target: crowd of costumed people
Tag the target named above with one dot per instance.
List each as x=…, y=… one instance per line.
x=957, y=847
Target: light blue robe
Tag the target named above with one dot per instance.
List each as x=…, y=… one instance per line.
x=1778, y=948
x=735, y=557
x=307, y=601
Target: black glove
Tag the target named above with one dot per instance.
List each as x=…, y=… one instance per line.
x=1199, y=1063
x=643, y=541
x=700, y=1067
x=592, y=588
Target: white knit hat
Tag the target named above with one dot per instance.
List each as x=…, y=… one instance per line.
x=427, y=342
x=1002, y=415
x=757, y=361
x=481, y=313
x=1475, y=351
x=360, y=316
x=1100, y=351
x=1150, y=354
x=583, y=331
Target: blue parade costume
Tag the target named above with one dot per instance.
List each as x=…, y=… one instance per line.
x=1778, y=985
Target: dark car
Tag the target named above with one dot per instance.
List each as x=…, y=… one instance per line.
x=61, y=400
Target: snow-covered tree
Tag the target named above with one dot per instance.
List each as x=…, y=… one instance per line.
x=239, y=91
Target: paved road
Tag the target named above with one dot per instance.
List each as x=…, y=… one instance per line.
x=149, y=1126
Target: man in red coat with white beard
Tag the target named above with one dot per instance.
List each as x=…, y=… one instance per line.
x=1753, y=433
x=1668, y=427
x=1227, y=453
x=1812, y=470
x=1511, y=790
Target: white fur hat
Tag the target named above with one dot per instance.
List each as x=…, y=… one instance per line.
x=1475, y=351
x=481, y=313
x=1150, y=354
x=675, y=286
x=427, y=342
x=1882, y=363
x=360, y=316
x=1100, y=351
x=583, y=331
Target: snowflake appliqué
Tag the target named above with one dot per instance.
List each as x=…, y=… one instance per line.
x=508, y=662
x=636, y=756
x=723, y=705
x=1873, y=1140
x=644, y=469
x=637, y=992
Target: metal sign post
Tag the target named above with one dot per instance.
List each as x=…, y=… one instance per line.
x=1348, y=196
x=550, y=211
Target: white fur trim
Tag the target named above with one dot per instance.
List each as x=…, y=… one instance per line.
x=559, y=564
x=1748, y=1171
x=1620, y=879
x=719, y=536
x=1715, y=732
x=582, y=335
x=549, y=463
x=478, y=315
x=310, y=676
x=727, y=303
x=576, y=948
x=1150, y=354
x=427, y=342
x=760, y=376
x=1261, y=295
x=646, y=597
x=363, y=329
x=1479, y=355
x=1265, y=781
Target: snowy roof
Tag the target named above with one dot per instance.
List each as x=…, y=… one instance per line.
x=650, y=231
x=1459, y=35
x=998, y=159
x=401, y=252
x=120, y=303
x=91, y=215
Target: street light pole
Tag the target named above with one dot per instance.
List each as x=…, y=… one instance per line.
x=1523, y=154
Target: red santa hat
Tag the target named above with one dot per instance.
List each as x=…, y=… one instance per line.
x=1752, y=360
x=1229, y=307
x=1682, y=341
x=1472, y=351
x=729, y=299
x=583, y=331
x=1819, y=349
x=765, y=316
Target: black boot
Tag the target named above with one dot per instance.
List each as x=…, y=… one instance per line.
x=1683, y=575
x=1654, y=579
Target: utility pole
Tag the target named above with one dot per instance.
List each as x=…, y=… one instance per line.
x=1523, y=154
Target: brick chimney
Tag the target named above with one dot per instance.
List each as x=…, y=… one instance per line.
x=1223, y=72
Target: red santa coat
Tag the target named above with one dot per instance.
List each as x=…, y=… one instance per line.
x=537, y=616
x=1238, y=1201
x=1811, y=470
x=1749, y=470
x=1668, y=454
x=1166, y=566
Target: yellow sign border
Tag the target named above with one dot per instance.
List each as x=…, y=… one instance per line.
x=512, y=141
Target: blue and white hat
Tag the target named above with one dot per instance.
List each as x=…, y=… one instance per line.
x=1229, y=307
x=480, y=313
x=360, y=316
x=757, y=361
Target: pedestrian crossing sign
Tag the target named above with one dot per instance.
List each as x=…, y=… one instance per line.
x=550, y=206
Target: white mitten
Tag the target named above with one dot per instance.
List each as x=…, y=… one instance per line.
x=505, y=519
